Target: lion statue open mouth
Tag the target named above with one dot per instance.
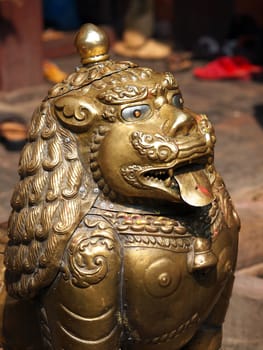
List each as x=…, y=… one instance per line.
x=122, y=234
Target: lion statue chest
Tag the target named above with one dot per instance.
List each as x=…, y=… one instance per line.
x=149, y=268
x=122, y=233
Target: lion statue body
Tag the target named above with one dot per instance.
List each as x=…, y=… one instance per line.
x=122, y=234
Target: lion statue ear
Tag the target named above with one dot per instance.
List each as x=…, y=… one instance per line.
x=76, y=113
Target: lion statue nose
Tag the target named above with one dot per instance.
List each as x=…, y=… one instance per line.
x=183, y=123
x=178, y=122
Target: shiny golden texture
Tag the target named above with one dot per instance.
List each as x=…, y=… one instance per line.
x=122, y=234
x=92, y=44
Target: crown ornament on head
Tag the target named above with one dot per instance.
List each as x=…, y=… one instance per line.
x=92, y=44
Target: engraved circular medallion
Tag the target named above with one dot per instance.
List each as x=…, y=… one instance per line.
x=162, y=278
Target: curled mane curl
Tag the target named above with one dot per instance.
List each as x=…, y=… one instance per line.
x=46, y=205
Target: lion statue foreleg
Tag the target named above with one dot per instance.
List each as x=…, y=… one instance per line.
x=83, y=305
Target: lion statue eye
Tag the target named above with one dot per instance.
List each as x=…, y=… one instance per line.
x=177, y=101
x=133, y=113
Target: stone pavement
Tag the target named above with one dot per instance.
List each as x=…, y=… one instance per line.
x=236, y=111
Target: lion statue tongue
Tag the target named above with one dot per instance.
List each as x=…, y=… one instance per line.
x=195, y=187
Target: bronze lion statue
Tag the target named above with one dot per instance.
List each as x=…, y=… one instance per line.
x=122, y=233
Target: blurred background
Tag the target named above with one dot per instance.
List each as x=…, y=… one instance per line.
x=215, y=50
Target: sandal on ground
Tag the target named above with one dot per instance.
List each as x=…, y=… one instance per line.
x=180, y=61
x=136, y=45
x=235, y=67
x=13, y=133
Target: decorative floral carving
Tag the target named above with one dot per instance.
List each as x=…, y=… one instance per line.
x=129, y=173
x=123, y=94
x=157, y=148
x=86, y=75
x=75, y=112
x=179, y=245
x=88, y=255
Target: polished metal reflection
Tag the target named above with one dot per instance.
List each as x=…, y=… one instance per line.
x=122, y=234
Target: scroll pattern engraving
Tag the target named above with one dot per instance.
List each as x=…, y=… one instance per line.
x=155, y=147
x=89, y=252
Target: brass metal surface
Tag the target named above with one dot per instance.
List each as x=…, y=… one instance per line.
x=122, y=234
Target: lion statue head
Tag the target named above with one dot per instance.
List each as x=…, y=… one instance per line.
x=111, y=130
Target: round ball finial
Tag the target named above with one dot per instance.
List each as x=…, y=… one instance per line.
x=92, y=44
